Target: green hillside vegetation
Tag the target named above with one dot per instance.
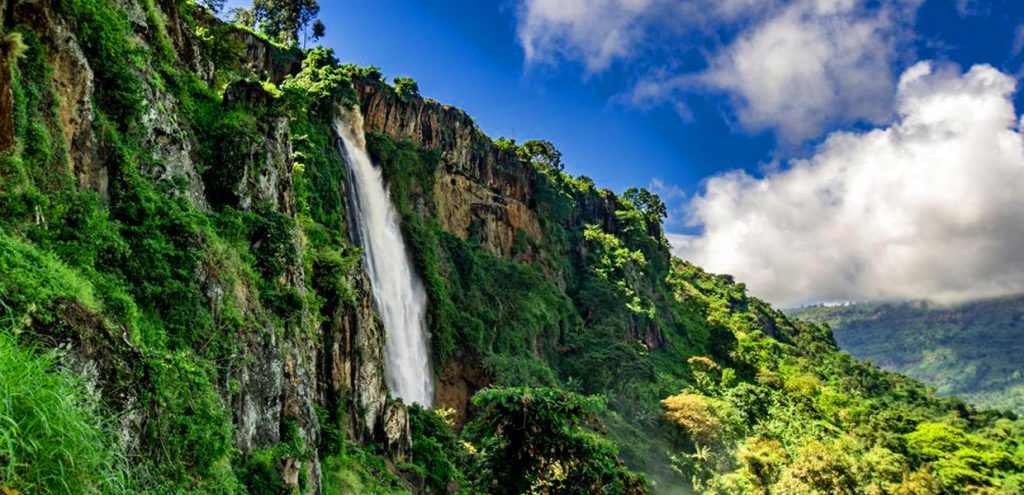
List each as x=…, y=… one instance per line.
x=611, y=367
x=701, y=382
x=971, y=351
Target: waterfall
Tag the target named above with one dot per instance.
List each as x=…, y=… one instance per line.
x=397, y=289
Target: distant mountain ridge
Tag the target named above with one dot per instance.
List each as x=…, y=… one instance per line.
x=971, y=350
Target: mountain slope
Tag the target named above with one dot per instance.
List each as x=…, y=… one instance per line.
x=970, y=351
x=176, y=250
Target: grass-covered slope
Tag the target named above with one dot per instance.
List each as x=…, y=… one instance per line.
x=190, y=310
x=180, y=239
x=972, y=351
x=702, y=385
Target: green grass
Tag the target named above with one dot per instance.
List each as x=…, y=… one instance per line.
x=34, y=280
x=358, y=471
x=52, y=437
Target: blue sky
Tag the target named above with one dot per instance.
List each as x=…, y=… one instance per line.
x=466, y=53
x=734, y=108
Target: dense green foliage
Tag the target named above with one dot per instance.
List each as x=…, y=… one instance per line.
x=744, y=399
x=972, y=351
x=138, y=264
x=407, y=87
x=596, y=352
x=533, y=440
x=814, y=420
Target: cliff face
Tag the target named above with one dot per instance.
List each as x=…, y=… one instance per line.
x=482, y=191
x=489, y=197
x=480, y=187
x=121, y=92
x=280, y=371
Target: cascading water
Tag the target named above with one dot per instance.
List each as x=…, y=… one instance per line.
x=397, y=289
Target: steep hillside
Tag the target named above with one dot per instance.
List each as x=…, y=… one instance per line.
x=971, y=351
x=177, y=265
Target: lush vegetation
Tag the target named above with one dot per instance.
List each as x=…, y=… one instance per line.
x=52, y=437
x=163, y=290
x=704, y=386
x=599, y=356
x=971, y=351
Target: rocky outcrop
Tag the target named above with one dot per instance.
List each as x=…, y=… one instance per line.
x=268, y=61
x=72, y=79
x=467, y=208
x=352, y=363
x=261, y=176
x=459, y=380
x=482, y=191
x=283, y=371
x=187, y=47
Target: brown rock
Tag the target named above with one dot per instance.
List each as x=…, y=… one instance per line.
x=461, y=378
x=6, y=100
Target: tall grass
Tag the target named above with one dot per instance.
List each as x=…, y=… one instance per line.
x=51, y=438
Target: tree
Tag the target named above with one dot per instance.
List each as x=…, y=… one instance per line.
x=406, y=86
x=820, y=469
x=282, y=20
x=696, y=415
x=542, y=152
x=647, y=202
x=534, y=440
x=243, y=17
x=215, y=6
x=318, y=30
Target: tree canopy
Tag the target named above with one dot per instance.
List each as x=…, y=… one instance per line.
x=285, y=21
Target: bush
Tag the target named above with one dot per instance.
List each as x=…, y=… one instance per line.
x=537, y=440
x=33, y=281
x=358, y=471
x=696, y=415
x=436, y=449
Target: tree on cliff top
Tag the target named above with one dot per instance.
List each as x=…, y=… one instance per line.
x=282, y=20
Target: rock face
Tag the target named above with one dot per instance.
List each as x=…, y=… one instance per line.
x=73, y=83
x=6, y=99
x=481, y=190
x=281, y=376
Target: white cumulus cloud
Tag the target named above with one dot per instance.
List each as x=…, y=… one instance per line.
x=795, y=67
x=930, y=207
x=596, y=32
x=812, y=65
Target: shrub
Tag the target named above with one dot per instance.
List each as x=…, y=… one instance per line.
x=358, y=471
x=33, y=281
x=819, y=469
x=696, y=415
x=436, y=449
x=537, y=440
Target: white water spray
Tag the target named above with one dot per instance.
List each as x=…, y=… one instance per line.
x=397, y=289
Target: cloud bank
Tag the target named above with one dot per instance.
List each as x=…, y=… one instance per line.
x=795, y=67
x=930, y=207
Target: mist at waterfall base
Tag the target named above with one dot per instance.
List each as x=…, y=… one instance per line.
x=397, y=289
